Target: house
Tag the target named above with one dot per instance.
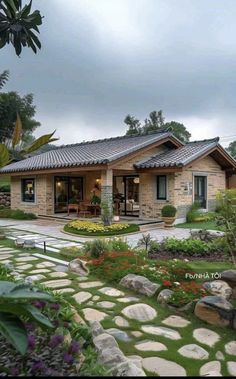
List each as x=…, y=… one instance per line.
x=139, y=173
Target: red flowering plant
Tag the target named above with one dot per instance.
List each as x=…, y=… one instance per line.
x=186, y=292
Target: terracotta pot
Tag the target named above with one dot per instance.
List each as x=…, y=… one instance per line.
x=168, y=221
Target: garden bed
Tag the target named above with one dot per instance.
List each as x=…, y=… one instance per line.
x=95, y=229
x=168, y=255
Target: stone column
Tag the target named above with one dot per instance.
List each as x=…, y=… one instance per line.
x=107, y=188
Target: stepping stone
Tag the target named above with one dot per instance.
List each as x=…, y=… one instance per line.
x=61, y=268
x=230, y=348
x=26, y=259
x=137, y=333
x=109, y=291
x=176, y=321
x=93, y=314
x=128, y=299
x=96, y=298
x=121, y=322
x=40, y=271
x=163, y=367
x=24, y=267
x=82, y=278
x=140, y=312
x=34, y=278
x=161, y=331
x=45, y=265
x=5, y=256
x=106, y=304
x=231, y=367
x=206, y=336
x=64, y=290
x=82, y=296
x=220, y=356
x=148, y=345
x=118, y=334
x=57, y=283
x=136, y=359
x=193, y=351
x=211, y=368
x=6, y=261
x=91, y=284
x=57, y=275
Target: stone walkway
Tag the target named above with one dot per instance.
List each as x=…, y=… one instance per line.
x=53, y=230
x=160, y=342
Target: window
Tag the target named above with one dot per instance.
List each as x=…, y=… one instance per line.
x=28, y=190
x=161, y=187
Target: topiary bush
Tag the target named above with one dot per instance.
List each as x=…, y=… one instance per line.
x=168, y=211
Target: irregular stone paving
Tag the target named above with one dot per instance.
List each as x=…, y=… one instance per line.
x=99, y=302
x=206, y=336
x=193, y=351
x=161, y=331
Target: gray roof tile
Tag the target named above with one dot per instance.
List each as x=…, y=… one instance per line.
x=86, y=153
x=179, y=157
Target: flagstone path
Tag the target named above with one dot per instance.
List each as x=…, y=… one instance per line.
x=163, y=344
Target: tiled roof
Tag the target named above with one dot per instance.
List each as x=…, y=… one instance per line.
x=86, y=153
x=181, y=156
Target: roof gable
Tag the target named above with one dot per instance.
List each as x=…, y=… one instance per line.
x=88, y=153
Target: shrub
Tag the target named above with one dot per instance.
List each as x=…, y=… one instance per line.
x=17, y=214
x=119, y=245
x=71, y=252
x=168, y=211
x=227, y=219
x=192, y=212
x=96, y=248
x=187, y=246
x=5, y=188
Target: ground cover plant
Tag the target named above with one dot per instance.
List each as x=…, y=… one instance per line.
x=89, y=228
x=16, y=214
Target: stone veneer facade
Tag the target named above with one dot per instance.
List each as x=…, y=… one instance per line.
x=179, y=191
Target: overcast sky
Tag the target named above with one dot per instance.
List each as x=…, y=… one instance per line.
x=103, y=59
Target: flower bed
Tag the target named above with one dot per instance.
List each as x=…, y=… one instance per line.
x=89, y=228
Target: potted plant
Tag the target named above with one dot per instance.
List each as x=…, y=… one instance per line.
x=168, y=214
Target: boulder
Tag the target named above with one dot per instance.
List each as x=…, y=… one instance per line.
x=206, y=235
x=78, y=266
x=164, y=296
x=139, y=284
x=215, y=310
x=229, y=276
x=218, y=288
x=127, y=368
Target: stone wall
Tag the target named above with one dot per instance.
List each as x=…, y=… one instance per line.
x=181, y=188
x=5, y=199
x=44, y=195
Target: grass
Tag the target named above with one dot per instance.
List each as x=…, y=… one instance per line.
x=131, y=229
x=206, y=225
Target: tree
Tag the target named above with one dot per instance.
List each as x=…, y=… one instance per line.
x=179, y=130
x=232, y=149
x=15, y=131
x=12, y=103
x=18, y=25
x=154, y=122
x=133, y=124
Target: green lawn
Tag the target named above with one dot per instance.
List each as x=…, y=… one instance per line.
x=210, y=225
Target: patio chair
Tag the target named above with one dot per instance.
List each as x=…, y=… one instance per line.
x=83, y=211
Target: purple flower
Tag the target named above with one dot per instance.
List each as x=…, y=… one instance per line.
x=54, y=306
x=39, y=304
x=74, y=347
x=38, y=366
x=68, y=358
x=55, y=341
x=31, y=342
x=14, y=371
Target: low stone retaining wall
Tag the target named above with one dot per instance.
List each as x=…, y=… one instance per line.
x=5, y=199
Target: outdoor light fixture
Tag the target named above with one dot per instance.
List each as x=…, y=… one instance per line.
x=136, y=180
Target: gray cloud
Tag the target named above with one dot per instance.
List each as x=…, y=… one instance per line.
x=103, y=59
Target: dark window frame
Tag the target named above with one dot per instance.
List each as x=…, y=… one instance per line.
x=23, y=188
x=158, y=197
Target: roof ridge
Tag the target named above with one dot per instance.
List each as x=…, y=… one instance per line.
x=215, y=139
x=110, y=139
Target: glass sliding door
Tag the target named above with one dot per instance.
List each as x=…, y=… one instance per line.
x=126, y=195
x=200, y=191
x=67, y=190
